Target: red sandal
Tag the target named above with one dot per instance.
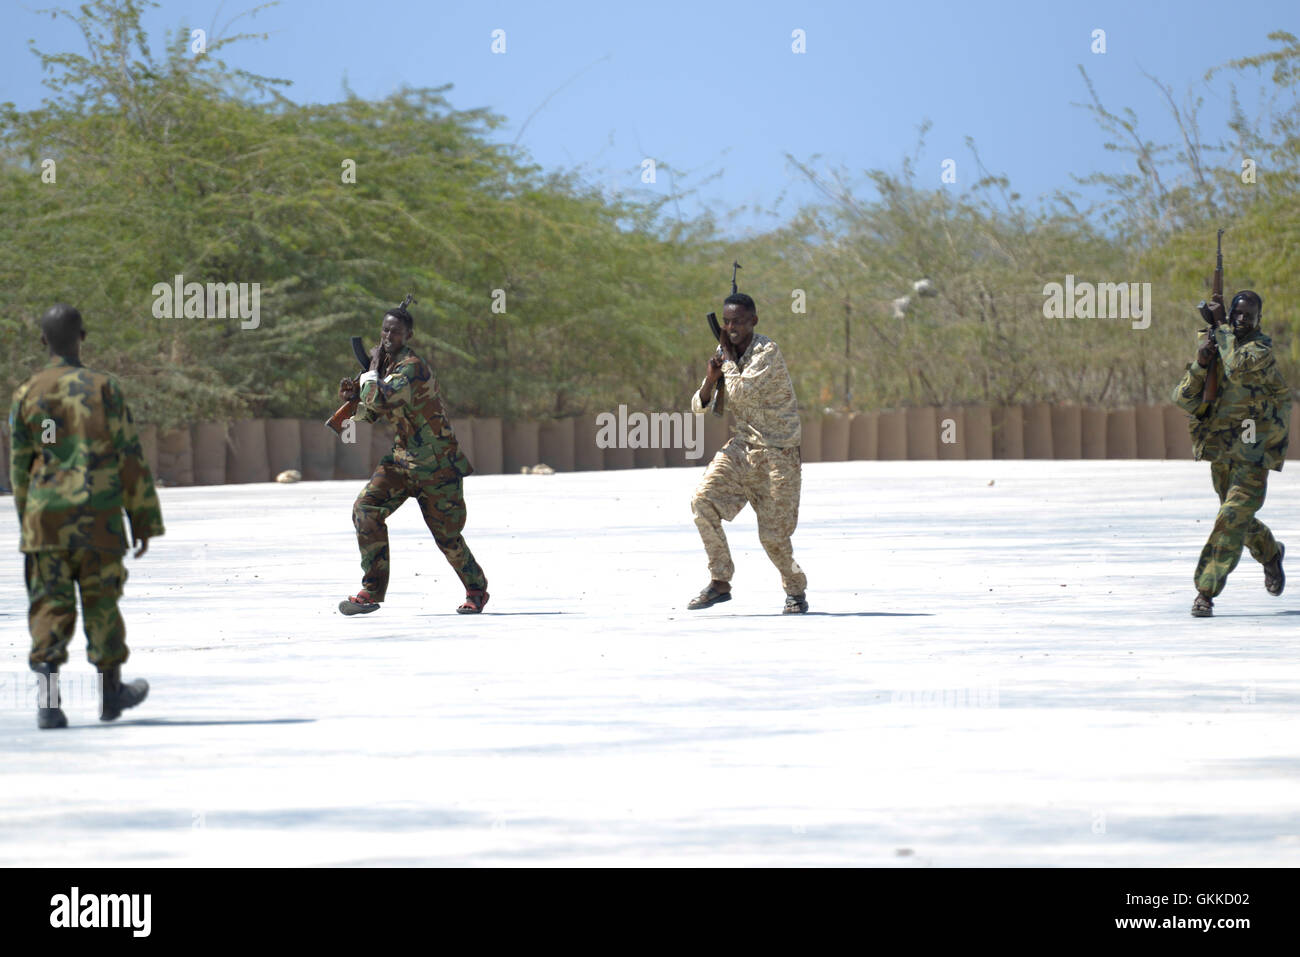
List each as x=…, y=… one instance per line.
x=359, y=604
x=474, y=602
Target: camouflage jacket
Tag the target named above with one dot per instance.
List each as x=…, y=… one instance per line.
x=77, y=463
x=1250, y=418
x=760, y=395
x=407, y=397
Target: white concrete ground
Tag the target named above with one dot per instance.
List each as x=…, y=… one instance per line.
x=999, y=669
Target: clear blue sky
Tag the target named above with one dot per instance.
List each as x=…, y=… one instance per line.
x=714, y=87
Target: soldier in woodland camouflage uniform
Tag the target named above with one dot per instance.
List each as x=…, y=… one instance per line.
x=1244, y=433
x=426, y=462
x=76, y=464
x=760, y=465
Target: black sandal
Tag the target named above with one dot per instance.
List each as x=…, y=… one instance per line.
x=708, y=598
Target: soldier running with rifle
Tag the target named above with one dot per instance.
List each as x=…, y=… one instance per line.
x=1241, y=414
x=760, y=465
x=426, y=463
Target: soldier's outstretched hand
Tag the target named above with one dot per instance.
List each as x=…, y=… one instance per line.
x=715, y=369
x=349, y=390
x=142, y=543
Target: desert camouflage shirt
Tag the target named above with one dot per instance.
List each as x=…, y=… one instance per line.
x=76, y=463
x=1250, y=418
x=407, y=397
x=759, y=394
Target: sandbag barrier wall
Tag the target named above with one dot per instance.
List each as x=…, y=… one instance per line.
x=260, y=449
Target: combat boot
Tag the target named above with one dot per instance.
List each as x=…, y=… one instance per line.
x=117, y=697
x=795, y=605
x=48, y=713
x=1274, y=577
x=1203, y=607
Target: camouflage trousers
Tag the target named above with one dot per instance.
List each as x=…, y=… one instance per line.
x=441, y=497
x=1241, y=491
x=767, y=479
x=52, y=577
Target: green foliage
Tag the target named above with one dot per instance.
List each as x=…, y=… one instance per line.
x=177, y=164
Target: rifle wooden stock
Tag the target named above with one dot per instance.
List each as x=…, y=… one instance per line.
x=1211, y=380
x=346, y=411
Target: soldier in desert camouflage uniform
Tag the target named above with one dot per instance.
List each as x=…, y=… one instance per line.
x=76, y=464
x=426, y=462
x=1244, y=433
x=760, y=465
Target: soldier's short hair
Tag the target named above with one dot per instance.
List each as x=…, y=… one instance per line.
x=61, y=326
x=397, y=312
x=741, y=299
x=1251, y=295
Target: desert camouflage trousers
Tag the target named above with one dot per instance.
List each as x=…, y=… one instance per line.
x=440, y=494
x=1241, y=491
x=767, y=479
x=52, y=580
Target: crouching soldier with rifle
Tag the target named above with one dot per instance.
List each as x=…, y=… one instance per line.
x=1241, y=412
x=760, y=465
x=426, y=463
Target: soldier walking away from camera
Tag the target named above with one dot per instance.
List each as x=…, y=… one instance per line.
x=76, y=465
x=426, y=463
x=1241, y=412
x=760, y=464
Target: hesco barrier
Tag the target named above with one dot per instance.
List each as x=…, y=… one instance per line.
x=175, y=458
x=149, y=445
x=210, y=439
x=464, y=429
x=951, y=422
x=352, y=460
x=922, y=434
x=519, y=441
x=246, y=457
x=216, y=453
x=283, y=446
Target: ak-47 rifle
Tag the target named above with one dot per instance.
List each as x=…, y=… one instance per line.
x=1213, y=319
x=348, y=409
x=712, y=317
x=720, y=403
